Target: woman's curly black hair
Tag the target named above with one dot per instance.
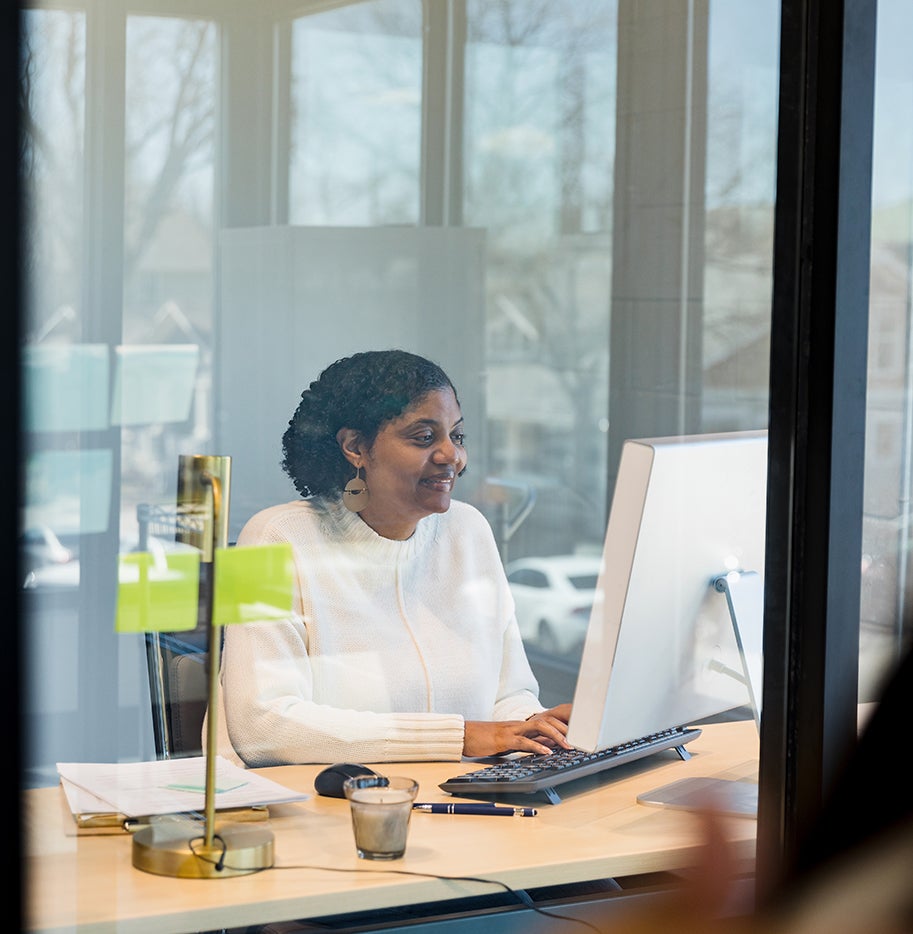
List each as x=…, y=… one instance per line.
x=361, y=392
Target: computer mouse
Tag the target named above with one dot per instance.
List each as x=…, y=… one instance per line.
x=329, y=781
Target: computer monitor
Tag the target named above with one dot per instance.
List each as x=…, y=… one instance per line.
x=661, y=649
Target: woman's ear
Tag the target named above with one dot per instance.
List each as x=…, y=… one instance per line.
x=349, y=442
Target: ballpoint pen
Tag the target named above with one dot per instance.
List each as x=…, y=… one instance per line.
x=494, y=809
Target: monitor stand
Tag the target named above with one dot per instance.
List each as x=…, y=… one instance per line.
x=744, y=591
x=745, y=601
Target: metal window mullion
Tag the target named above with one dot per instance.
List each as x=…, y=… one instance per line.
x=102, y=319
x=443, y=86
x=817, y=417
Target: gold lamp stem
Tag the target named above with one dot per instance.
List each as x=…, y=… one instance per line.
x=214, y=485
x=174, y=848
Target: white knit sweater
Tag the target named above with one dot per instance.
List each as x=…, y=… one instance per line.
x=392, y=645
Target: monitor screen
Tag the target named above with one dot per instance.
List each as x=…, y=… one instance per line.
x=661, y=648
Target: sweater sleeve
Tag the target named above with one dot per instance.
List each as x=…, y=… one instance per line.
x=272, y=720
x=518, y=691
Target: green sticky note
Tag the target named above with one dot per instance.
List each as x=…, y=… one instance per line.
x=157, y=593
x=252, y=583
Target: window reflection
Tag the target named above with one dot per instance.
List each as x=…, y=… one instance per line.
x=591, y=331
x=163, y=374
x=356, y=115
x=118, y=166
x=554, y=596
x=676, y=272
x=539, y=149
x=65, y=382
x=53, y=74
x=742, y=80
x=886, y=570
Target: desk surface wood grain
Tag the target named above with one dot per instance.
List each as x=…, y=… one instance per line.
x=88, y=883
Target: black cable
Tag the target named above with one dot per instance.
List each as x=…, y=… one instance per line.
x=220, y=862
x=522, y=897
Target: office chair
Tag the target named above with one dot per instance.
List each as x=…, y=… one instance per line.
x=176, y=662
x=178, y=687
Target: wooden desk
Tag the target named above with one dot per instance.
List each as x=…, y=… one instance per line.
x=597, y=831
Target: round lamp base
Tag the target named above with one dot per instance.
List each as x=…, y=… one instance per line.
x=178, y=848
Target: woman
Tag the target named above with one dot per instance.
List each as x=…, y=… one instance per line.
x=403, y=644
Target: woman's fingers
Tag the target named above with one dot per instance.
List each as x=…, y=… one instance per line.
x=541, y=733
x=548, y=726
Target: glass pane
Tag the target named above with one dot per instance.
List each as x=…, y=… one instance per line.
x=886, y=567
x=539, y=152
x=119, y=175
x=163, y=370
x=623, y=167
x=611, y=278
x=53, y=166
x=65, y=382
x=614, y=163
x=356, y=115
x=742, y=83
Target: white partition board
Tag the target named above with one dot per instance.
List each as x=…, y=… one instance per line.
x=295, y=299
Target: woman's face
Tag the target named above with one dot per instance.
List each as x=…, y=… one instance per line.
x=413, y=464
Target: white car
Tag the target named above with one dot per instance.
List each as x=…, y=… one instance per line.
x=44, y=556
x=39, y=545
x=65, y=574
x=554, y=596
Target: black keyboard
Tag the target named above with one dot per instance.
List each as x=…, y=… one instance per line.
x=540, y=773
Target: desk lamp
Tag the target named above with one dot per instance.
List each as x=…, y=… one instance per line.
x=175, y=846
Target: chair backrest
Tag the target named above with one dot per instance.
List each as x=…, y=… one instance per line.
x=177, y=662
x=188, y=702
x=178, y=688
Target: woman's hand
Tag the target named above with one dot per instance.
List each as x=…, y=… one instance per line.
x=539, y=733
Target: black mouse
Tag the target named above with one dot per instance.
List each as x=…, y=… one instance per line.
x=329, y=780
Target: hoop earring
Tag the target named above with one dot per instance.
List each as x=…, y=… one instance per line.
x=355, y=496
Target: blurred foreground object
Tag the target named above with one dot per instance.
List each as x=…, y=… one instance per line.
x=854, y=874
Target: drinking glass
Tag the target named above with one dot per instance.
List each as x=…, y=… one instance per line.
x=381, y=807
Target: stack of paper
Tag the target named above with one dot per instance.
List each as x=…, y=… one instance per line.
x=108, y=794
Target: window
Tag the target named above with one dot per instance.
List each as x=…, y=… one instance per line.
x=119, y=175
x=562, y=124
x=356, y=115
x=605, y=273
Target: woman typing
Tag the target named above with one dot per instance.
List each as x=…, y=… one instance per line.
x=403, y=643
